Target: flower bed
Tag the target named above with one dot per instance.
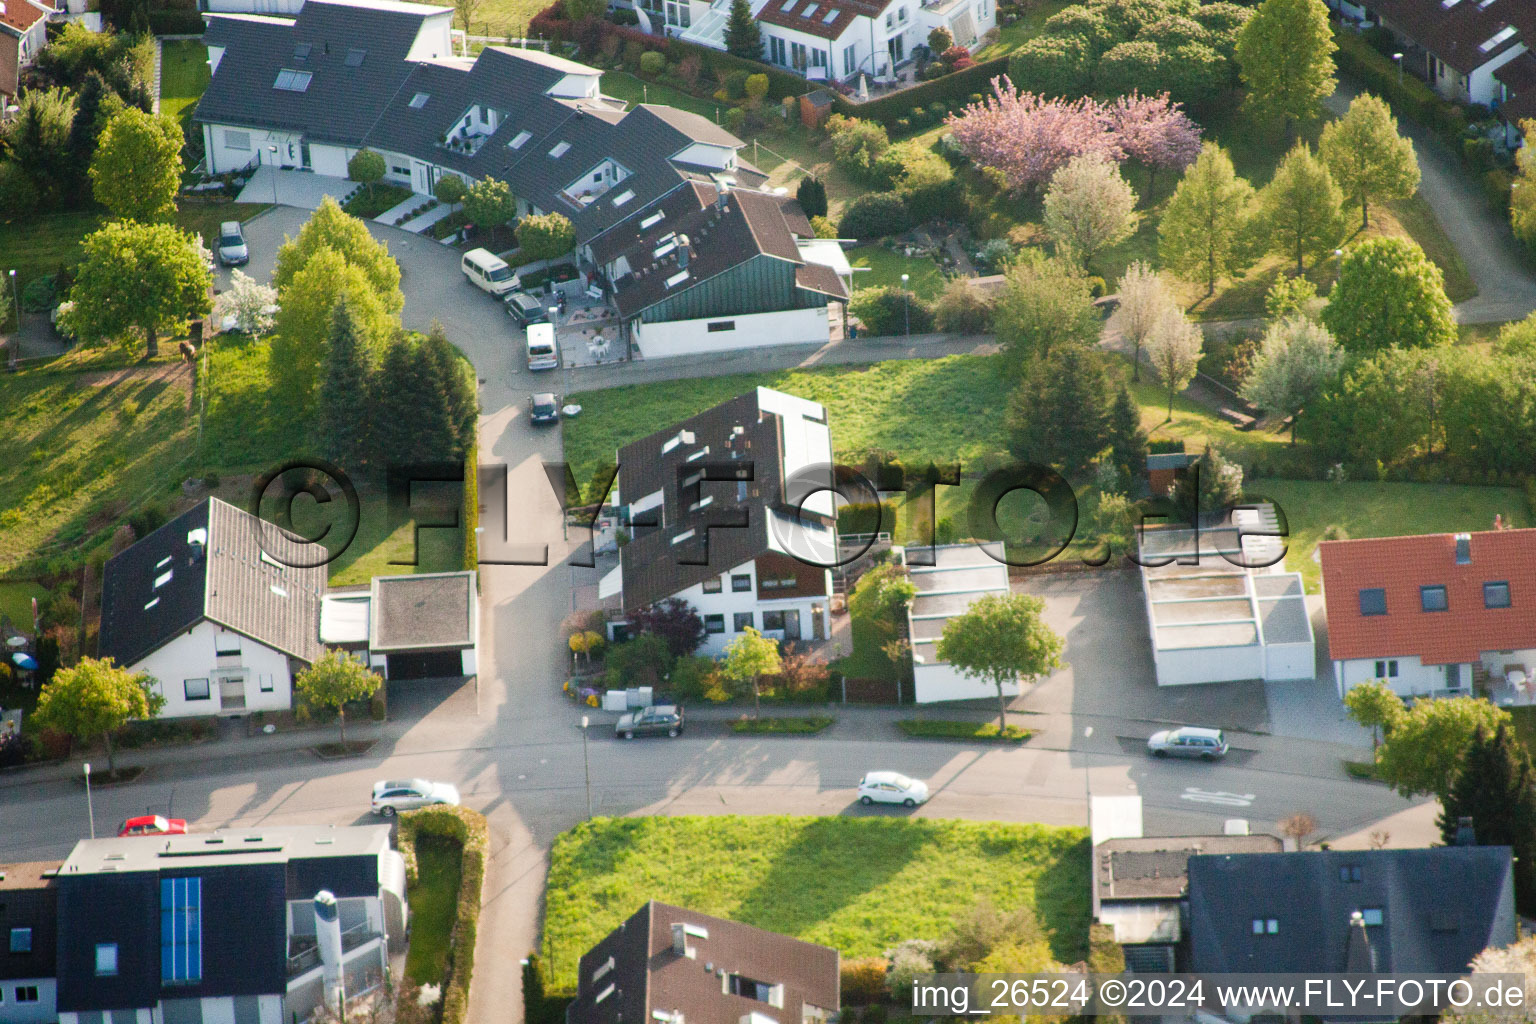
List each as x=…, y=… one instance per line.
x=951, y=729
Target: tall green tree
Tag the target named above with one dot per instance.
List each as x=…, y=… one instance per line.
x=344, y=409
x=1367, y=157
x=1143, y=297
x=1522, y=197
x=1389, y=294
x=748, y=658
x=1385, y=407
x=1201, y=233
x=1208, y=495
x=1301, y=209
x=1088, y=206
x=149, y=278
x=545, y=236
x=335, y=680
x=1297, y=358
x=37, y=139
x=331, y=227
x=1058, y=413
x=1375, y=706
x=89, y=121
x=136, y=172
x=1285, y=53
x=1045, y=305
x=743, y=37
x=306, y=302
x=1496, y=788
x=1423, y=753
x=1003, y=640
x=1127, y=439
x=456, y=383
x=812, y=195
x=96, y=698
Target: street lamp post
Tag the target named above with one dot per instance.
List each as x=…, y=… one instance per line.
x=586, y=763
x=16, y=346
x=273, y=151
x=906, y=298
x=1398, y=57
x=90, y=808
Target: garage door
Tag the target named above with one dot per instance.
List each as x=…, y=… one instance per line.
x=431, y=665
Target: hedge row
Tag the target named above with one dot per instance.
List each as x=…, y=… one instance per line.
x=956, y=87
x=467, y=828
x=539, y=1007
x=471, y=500
x=176, y=23
x=1407, y=96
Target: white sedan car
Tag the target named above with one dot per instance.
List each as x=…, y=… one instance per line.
x=392, y=797
x=892, y=788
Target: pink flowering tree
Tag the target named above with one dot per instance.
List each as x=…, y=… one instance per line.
x=1155, y=132
x=1028, y=137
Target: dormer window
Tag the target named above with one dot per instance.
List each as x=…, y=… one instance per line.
x=301, y=51
x=1433, y=599
x=1499, y=38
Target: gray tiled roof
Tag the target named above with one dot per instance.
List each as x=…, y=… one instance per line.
x=226, y=581
x=423, y=612
x=341, y=102
x=1440, y=908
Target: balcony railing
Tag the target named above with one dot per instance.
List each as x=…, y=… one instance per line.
x=304, y=953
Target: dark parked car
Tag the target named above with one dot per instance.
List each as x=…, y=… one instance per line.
x=657, y=720
x=543, y=408
x=526, y=309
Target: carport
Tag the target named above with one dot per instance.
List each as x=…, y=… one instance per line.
x=424, y=626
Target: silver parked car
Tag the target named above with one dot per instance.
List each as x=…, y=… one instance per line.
x=1206, y=744
x=232, y=251
x=392, y=797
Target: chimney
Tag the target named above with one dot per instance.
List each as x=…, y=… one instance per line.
x=722, y=194
x=1359, y=957
x=683, y=251
x=1466, y=835
x=1463, y=549
x=328, y=937
x=680, y=939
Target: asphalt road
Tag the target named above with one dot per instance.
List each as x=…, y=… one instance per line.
x=513, y=746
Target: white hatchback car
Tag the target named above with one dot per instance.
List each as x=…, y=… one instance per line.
x=892, y=788
x=391, y=797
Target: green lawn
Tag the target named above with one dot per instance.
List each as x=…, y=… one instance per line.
x=858, y=884
x=183, y=75
x=885, y=267
x=434, y=903
x=1022, y=31
x=16, y=601
x=1370, y=509
x=624, y=86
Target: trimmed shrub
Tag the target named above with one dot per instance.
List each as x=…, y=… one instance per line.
x=651, y=63
x=957, y=86
x=943, y=200
x=863, y=980
x=867, y=517
x=735, y=119
x=466, y=828
x=887, y=311
x=539, y=1007
x=962, y=309
x=874, y=215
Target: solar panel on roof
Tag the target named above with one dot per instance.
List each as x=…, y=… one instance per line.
x=289, y=80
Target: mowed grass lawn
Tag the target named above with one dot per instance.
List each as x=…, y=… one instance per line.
x=434, y=903
x=884, y=268
x=1371, y=509
x=94, y=436
x=858, y=884
x=184, y=75
x=16, y=602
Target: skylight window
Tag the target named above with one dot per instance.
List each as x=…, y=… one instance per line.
x=279, y=591
x=162, y=579
x=810, y=12
x=420, y=100
x=560, y=150
x=301, y=50
x=289, y=80
x=355, y=57
x=677, y=279
x=830, y=16
x=665, y=248
x=1503, y=35
x=151, y=604
x=685, y=535
x=623, y=197
x=652, y=220
x=1448, y=4
x=519, y=140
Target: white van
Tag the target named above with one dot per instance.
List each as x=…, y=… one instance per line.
x=541, y=347
x=489, y=272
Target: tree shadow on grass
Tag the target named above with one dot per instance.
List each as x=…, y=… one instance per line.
x=1061, y=889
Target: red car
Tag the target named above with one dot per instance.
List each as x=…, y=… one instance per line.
x=153, y=825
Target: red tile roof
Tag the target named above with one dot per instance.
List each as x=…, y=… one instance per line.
x=810, y=16
x=21, y=14
x=1400, y=566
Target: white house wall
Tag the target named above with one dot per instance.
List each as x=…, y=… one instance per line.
x=1413, y=676
x=752, y=330
x=728, y=604
x=943, y=681
x=702, y=154
x=41, y=1012
x=223, y=157
x=192, y=656
x=434, y=39
x=330, y=160
x=1481, y=85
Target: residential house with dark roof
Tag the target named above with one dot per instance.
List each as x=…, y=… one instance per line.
x=730, y=511
x=673, y=965
x=23, y=34
x=1469, y=51
x=309, y=91
x=1420, y=911
x=836, y=40
x=218, y=607
x=28, y=943
x=224, y=610
x=1141, y=890
x=226, y=926
x=1433, y=614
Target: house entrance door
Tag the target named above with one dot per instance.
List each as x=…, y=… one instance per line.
x=792, y=624
x=304, y=154
x=232, y=693
x=818, y=622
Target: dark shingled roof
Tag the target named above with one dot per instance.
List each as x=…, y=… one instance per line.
x=1154, y=868
x=1456, y=34
x=637, y=973
x=28, y=900
x=225, y=578
x=653, y=566
x=1440, y=908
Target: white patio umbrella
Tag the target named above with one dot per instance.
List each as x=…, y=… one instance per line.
x=863, y=88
